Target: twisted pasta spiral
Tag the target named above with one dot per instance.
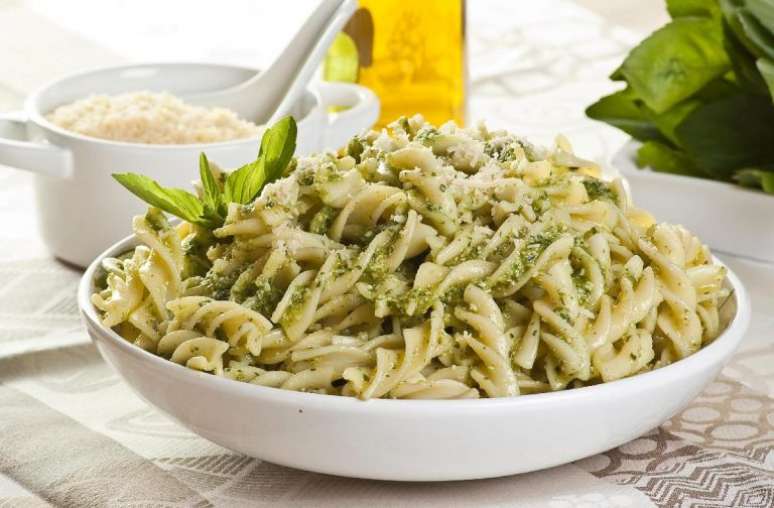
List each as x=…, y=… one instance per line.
x=422, y=262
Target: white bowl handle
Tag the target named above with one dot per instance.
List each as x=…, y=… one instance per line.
x=361, y=115
x=18, y=152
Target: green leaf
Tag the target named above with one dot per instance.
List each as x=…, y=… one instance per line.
x=717, y=89
x=242, y=186
x=757, y=178
x=743, y=62
x=730, y=10
x=212, y=193
x=664, y=159
x=757, y=34
x=668, y=121
x=178, y=202
x=617, y=75
x=676, y=61
x=243, y=183
x=767, y=182
x=277, y=146
x=729, y=133
x=620, y=110
x=682, y=8
x=766, y=68
x=763, y=10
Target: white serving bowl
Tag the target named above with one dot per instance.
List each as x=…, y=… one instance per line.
x=81, y=209
x=413, y=440
x=729, y=218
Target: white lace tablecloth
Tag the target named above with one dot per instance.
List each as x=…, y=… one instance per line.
x=73, y=434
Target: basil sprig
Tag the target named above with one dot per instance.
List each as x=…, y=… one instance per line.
x=241, y=186
x=698, y=93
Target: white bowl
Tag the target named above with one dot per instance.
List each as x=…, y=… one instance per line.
x=82, y=210
x=727, y=217
x=413, y=440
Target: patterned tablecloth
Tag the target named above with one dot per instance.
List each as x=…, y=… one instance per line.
x=73, y=434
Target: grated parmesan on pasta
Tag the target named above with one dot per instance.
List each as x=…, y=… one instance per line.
x=421, y=262
x=153, y=118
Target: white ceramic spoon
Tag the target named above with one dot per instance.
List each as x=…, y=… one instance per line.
x=270, y=94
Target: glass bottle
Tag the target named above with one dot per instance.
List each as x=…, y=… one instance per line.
x=410, y=53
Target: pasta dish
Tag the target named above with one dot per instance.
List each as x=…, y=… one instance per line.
x=418, y=263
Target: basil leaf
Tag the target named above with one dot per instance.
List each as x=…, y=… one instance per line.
x=743, y=62
x=620, y=110
x=245, y=182
x=758, y=178
x=242, y=186
x=617, y=75
x=730, y=10
x=729, y=133
x=277, y=147
x=680, y=8
x=766, y=68
x=668, y=121
x=211, y=191
x=759, y=36
x=178, y=202
x=664, y=159
x=676, y=61
x=763, y=10
x=212, y=196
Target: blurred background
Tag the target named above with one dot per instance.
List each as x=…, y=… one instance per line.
x=529, y=66
x=514, y=48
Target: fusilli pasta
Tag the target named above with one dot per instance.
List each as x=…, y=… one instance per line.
x=421, y=262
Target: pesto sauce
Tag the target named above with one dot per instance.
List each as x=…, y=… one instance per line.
x=542, y=203
x=294, y=309
x=156, y=220
x=305, y=179
x=505, y=248
x=583, y=285
x=377, y=269
x=265, y=298
x=355, y=149
x=322, y=220
x=195, y=245
x=472, y=251
x=427, y=135
x=219, y=285
x=453, y=296
x=404, y=124
x=328, y=173
x=563, y=313
x=528, y=255
x=598, y=189
x=424, y=298
x=503, y=151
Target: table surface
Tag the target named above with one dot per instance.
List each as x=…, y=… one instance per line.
x=73, y=434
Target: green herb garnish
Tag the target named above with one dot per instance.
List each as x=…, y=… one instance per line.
x=759, y=178
x=699, y=91
x=241, y=186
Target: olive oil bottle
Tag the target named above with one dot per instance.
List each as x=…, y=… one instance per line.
x=412, y=54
